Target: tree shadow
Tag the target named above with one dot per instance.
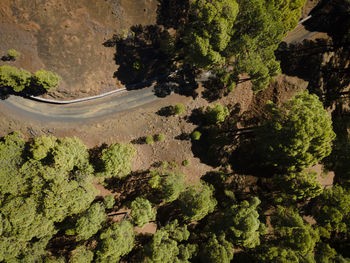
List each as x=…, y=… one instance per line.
x=139, y=55
x=182, y=83
x=95, y=157
x=183, y=137
x=130, y=187
x=214, y=90
x=140, y=140
x=172, y=13
x=165, y=111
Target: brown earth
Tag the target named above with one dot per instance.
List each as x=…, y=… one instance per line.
x=67, y=37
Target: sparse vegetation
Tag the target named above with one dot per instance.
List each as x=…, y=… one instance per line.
x=13, y=54
x=149, y=140
x=160, y=137
x=178, y=109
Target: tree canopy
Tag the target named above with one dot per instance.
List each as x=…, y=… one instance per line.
x=299, y=133
x=142, y=211
x=197, y=201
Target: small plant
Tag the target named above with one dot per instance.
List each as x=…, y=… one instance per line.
x=160, y=137
x=12, y=54
x=179, y=109
x=186, y=163
x=196, y=135
x=136, y=65
x=109, y=201
x=149, y=139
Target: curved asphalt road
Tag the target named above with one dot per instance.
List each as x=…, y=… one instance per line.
x=102, y=106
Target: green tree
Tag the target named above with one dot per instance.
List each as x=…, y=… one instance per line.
x=242, y=224
x=109, y=201
x=171, y=184
x=298, y=186
x=299, y=133
x=116, y=160
x=178, y=109
x=41, y=146
x=293, y=232
x=81, y=255
x=89, y=222
x=14, y=78
x=238, y=37
x=149, y=139
x=165, y=247
x=142, y=212
x=196, y=135
x=160, y=137
x=216, y=250
x=46, y=79
x=115, y=242
x=196, y=202
x=209, y=32
x=216, y=114
x=13, y=54
x=332, y=209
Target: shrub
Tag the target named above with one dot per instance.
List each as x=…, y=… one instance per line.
x=179, y=109
x=149, y=139
x=13, y=54
x=160, y=137
x=46, y=79
x=216, y=114
x=109, y=201
x=196, y=135
x=14, y=78
x=186, y=162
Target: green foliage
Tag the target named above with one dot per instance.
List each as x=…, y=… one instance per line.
x=14, y=78
x=46, y=80
x=171, y=185
x=142, y=212
x=116, y=160
x=109, y=201
x=238, y=38
x=149, y=140
x=186, y=162
x=292, y=232
x=216, y=114
x=160, y=137
x=332, y=209
x=81, y=255
x=196, y=135
x=209, y=31
x=89, y=222
x=179, y=109
x=13, y=53
x=216, y=250
x=196, y=202
x=298, y=186
x=115, y=242
x=164, y=247
x=299, y=133
x=34, y=196
x=242, y=224
x=69, y=153
x=41, y=146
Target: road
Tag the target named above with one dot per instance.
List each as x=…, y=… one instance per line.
x=102, y=106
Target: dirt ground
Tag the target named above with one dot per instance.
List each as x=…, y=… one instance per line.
x=67, y=37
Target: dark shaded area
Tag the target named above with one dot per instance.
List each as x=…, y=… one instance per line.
x=139, y=55
x=130, y=187
x=165, y=111
x=95, y=154
x=323, y=62
x=31, y=90
x=183, y=83
x=214, y=90
x=172, y=13
x=141, y=140
x=7, y=58
x=183, y=137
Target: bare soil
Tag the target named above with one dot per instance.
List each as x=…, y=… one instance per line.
x=67, y=37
